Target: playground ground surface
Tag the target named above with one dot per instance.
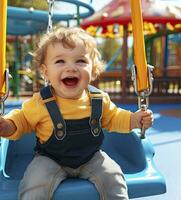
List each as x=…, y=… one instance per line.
x=165, y=136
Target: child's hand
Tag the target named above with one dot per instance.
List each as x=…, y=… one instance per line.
x=7, y=127
x=141, y=119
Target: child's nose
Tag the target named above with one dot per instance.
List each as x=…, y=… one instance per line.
x=71, y=67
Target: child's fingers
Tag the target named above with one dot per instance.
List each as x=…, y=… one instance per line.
x=1, y=120
x=147, y=117
x=147, y=113
x=147, y=121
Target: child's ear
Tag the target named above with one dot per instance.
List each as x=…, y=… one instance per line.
x=94, y=76
x=44, y=71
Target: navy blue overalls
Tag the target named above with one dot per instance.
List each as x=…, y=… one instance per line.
x=73, y=142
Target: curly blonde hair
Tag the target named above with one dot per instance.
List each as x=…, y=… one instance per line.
x=68, y=37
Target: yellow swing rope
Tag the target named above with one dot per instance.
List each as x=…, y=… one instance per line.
x=141, y=73
x=3, y=20
x=139, y=46
x=4, y=73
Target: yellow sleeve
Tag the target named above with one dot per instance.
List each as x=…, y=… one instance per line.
x=20, y=122
x=25, y=119
x=114, y=118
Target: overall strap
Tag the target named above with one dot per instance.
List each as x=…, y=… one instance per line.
x=55, y=114
x=96, y=114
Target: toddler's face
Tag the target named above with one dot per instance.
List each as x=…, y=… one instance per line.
x=68, y=70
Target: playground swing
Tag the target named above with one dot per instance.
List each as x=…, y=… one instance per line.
x=133, y=154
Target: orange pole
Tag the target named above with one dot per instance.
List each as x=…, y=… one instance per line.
x=139, y=46
x=3, y=21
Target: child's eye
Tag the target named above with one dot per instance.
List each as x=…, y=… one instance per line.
x=81, y=61
x=60, y=61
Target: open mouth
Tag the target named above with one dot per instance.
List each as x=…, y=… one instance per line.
x=70, y=81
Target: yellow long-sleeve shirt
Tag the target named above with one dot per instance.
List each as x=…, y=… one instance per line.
x=34, y=116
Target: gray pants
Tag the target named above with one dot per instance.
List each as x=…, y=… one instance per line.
x=43, y=175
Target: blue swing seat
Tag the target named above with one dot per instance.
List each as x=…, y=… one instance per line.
x=135, y=156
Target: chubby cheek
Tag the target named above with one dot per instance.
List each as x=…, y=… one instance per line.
x=88, y=74
x=54, y=77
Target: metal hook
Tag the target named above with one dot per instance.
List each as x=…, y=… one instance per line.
x=3, y=98
x=143, y=96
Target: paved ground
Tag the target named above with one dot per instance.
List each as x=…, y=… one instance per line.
x=166, y=138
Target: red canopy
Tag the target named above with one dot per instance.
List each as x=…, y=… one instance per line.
x=119, y=12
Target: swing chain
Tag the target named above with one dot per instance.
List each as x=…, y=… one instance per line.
x=1, y=107
x=50, y=15
x=143, y=96
x=143, y=102
x=3, y=98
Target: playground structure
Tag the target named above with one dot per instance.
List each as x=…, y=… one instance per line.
x=137, y=162
x=23, y=26
x=162, y=27
x=24, y=21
